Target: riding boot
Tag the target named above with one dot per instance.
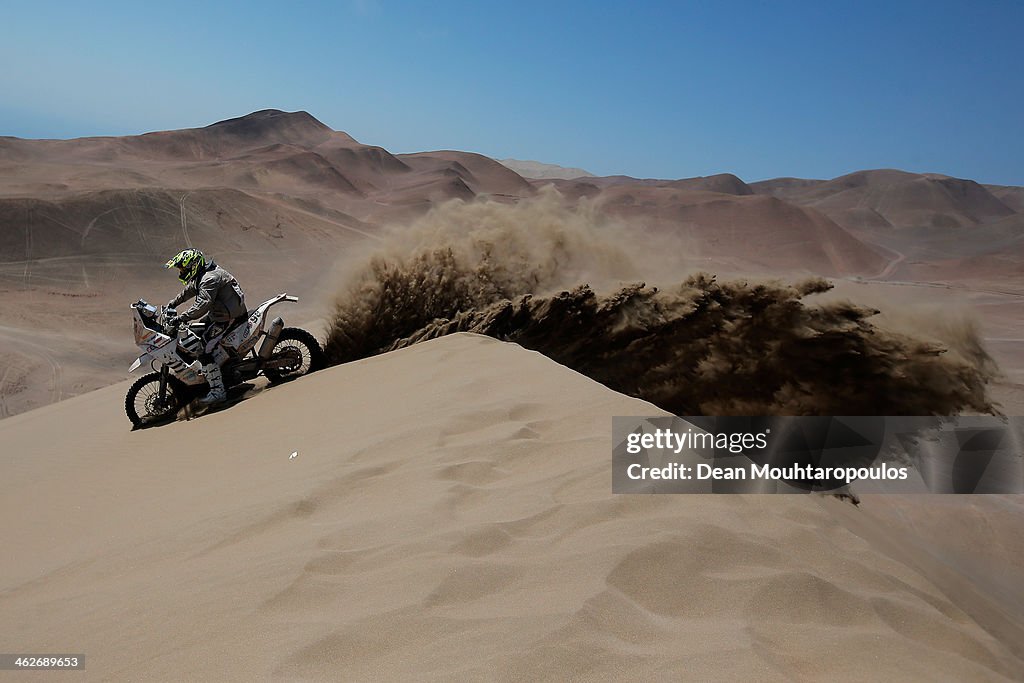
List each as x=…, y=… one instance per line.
x=216, y=382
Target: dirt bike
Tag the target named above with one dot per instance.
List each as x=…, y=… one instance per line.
x=173, y=352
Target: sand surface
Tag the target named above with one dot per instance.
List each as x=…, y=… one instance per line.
x=449, y=516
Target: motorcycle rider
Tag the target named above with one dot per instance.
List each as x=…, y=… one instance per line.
x=219, y=302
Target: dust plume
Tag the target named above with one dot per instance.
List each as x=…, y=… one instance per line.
x=562, y=280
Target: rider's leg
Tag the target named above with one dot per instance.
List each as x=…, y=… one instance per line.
x=214, y=357
x=215, y=379
x=220, y=356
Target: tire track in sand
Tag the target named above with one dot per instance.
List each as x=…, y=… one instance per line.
x=4, y=410
x=31, y=347
x=184, y=219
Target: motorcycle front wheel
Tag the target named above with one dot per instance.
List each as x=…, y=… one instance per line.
x=144, y=405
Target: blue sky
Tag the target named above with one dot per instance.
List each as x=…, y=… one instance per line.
x=649, y=89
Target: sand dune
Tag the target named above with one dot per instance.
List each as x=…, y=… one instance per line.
x=449, y=516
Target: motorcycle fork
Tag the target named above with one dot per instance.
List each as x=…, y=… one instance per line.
x=163, y=385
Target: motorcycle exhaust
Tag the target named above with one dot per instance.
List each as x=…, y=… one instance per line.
x=267, y=347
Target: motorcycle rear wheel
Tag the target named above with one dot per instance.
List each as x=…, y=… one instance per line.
x=142, y=404
x=304, y=351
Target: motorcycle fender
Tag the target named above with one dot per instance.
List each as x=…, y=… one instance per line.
x=144, y=358
x=244, y=337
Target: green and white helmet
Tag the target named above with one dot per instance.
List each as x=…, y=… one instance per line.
x=189, y=263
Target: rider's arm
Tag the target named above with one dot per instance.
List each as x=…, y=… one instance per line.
x=205, y=294
x=187, y=293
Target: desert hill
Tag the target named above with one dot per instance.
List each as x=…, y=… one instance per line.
x=1009, y=195
x=940, y=228
x=762, y=234
x=481, y=174
x=279, y=197
x=784, y=187
x=903, y=200
x=448, y=515
x=726, y=183
x=255, y=130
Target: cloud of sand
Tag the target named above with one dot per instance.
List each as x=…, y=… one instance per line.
x=555, y=278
